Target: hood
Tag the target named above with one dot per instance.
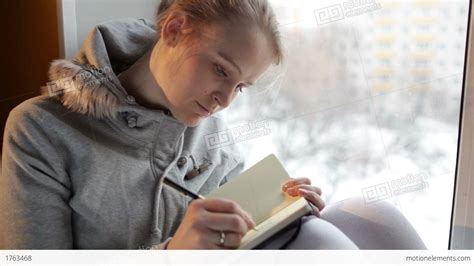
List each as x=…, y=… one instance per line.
x=88, y=84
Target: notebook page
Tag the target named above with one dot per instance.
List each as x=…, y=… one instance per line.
x=258, y=189
x=269, y=227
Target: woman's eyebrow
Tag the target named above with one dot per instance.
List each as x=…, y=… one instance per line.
x=231, y=61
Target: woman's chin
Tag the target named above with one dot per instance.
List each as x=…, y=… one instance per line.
x=193, y=120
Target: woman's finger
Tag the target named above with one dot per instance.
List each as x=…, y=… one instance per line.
x=225, y=222
x=316, y=211
x=313, y=198
x=293, y=191
x=231, y=240
x=296, y=181
x=228, y=206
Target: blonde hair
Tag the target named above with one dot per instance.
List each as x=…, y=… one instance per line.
x=202, y=12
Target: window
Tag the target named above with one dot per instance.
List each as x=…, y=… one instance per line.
x=367, y=104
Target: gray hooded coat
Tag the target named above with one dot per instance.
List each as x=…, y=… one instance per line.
x=82, y=168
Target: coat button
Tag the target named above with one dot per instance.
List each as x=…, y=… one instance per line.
x=132, y=121
x=130, y=99
x=181, y=161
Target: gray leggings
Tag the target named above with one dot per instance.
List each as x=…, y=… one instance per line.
x=351, y=224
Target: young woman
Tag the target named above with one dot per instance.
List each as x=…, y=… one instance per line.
x=82, y=166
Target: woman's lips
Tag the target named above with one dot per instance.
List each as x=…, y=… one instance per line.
x=203, y=111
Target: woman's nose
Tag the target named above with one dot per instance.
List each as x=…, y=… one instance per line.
x=224, y=99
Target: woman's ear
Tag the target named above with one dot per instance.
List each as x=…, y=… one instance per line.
x=175, y=28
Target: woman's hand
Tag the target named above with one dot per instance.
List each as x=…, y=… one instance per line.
x=203, y=221
x=301, y=186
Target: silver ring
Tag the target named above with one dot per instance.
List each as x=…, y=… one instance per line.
x=222, y=240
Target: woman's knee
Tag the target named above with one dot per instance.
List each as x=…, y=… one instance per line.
x=380, y=212
x=373, y=225
x=377, y=212
x=316, y=233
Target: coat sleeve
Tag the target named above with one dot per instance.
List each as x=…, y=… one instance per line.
x=34, y=187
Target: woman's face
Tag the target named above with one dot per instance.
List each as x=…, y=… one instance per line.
x=203, y=76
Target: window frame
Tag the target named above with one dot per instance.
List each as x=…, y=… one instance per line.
x=462, y=218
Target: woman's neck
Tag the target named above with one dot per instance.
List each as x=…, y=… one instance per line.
x=139, y=82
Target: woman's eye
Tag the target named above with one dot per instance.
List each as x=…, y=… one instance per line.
x=220, y=70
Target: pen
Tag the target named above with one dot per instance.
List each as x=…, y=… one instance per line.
x=181, y=189
x=185, y=191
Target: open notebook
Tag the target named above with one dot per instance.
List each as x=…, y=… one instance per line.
x=258, y=191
